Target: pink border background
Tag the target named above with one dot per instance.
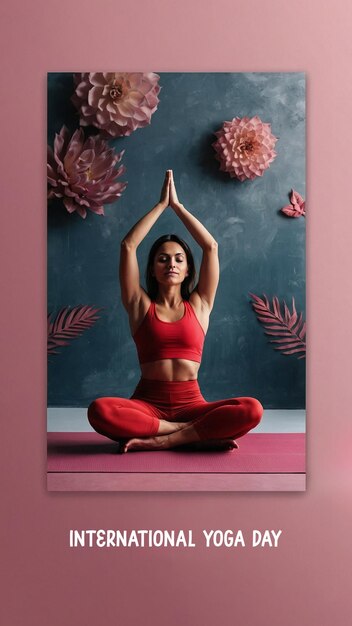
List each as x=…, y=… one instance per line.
x=306, y=580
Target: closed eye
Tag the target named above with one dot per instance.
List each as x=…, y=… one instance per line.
x=165, y=258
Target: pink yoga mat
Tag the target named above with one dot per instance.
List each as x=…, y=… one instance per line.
x=258, y=453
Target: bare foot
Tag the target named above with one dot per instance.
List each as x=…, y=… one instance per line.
x=149, y=443
x=211, y=444
x=163, y=443
x=165, y=427
x=186, y=434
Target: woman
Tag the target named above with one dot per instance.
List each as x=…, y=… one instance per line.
x=169, y=322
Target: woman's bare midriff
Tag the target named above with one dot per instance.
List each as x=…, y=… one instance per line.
x=170, y=370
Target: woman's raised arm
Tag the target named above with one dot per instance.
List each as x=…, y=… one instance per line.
x=131, y=290
x=209, y=269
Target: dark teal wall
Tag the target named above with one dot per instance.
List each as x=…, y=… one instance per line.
x=261, y=251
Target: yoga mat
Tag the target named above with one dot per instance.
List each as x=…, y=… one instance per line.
x=258, y=453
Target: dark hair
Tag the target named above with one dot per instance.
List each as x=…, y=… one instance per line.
x=188, y=283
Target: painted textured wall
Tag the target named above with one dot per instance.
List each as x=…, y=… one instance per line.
x=260, y=250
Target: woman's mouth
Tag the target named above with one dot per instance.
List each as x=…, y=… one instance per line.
x=171, y=274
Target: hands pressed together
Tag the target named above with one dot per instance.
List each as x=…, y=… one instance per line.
x=168, y=193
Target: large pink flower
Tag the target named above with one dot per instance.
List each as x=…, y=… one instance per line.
x=116, y=102
x=82, y=172
x=245, y=147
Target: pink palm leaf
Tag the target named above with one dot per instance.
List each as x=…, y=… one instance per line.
x=69, y=324
x=289, y=329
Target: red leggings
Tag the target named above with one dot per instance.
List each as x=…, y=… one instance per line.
x=173, y=401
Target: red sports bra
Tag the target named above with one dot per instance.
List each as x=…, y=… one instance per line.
x=183, y=339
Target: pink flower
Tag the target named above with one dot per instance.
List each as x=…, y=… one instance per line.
x=245, y=147
x=82, y=172
x=116, y=102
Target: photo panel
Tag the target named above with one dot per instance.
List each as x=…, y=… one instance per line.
x=235, y=143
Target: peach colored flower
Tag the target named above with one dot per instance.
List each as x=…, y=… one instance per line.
x=82, y=172
x=116, y=102
x=245, y=147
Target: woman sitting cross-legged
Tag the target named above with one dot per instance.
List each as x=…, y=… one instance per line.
x=169, y=323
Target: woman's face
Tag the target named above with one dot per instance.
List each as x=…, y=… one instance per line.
x=170, y=264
